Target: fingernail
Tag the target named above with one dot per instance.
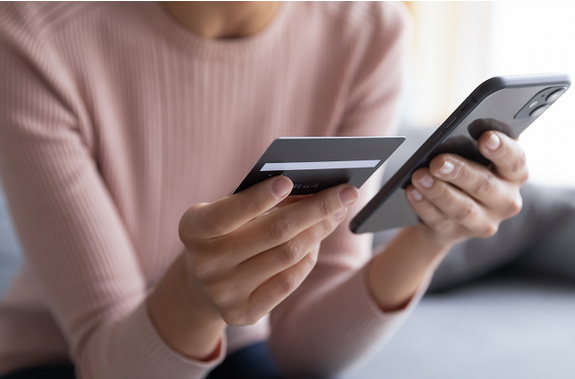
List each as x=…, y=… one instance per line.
x=340, y=215
x=416, y=195
x=348, y=196
x=447, y=168
x=426, y=181
x=493, y=142
x=317, y=247
x=281, y=187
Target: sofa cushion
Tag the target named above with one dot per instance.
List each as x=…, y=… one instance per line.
x=509, y=325
x=10, y=255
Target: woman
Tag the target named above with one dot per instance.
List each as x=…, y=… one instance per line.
x=117, y=118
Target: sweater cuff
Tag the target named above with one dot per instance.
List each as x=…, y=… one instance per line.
x=160, y=358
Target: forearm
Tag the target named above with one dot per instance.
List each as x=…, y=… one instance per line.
x=397, y=272
x=182, y=315
x=332, y=322
x=324, y=333
x=335, y=314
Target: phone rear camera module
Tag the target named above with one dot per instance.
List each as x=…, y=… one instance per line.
x=540, y=102
x=555, y=95
x=538, y=111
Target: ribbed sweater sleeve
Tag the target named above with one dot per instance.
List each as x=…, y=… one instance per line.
x=75, y=242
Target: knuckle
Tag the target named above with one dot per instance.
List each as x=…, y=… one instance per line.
x=290, y=252
x=438, y=194
x=461, y=172
x=251, y=317
x=514, y=206
x=185, y=226
x=326, y=228
x=310, y=261
x=433, y=223
x=523, y=178
x=287, y=284
x=214, y=222
x=325, y=208
x=234, y=316
x=258, y=204
x=184, y=231
x=280, y=229
x=313, y=257
x=201, y=267
x=485, y=185
x=520, y=163
x=489, y=230
x=221, y=294
x=465, y=213
x=322, y=229
x=441, y=225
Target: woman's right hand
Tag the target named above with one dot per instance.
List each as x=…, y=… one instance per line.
x=246, y=257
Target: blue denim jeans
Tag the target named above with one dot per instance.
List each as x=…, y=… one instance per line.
x=251, y=362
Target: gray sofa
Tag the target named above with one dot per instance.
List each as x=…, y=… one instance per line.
x=497, y=308
x=508, y=325
x=10, y=257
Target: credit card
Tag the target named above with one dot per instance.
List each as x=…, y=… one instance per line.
x=316, y=163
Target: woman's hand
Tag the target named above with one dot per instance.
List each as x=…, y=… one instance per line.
x=457, y=198
x=244, y=254
x=246, y=259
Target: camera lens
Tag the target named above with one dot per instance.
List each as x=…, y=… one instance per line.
x=538, y=111
x=555, y=95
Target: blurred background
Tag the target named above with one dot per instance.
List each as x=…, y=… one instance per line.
x=502, y=307
x=457, y=45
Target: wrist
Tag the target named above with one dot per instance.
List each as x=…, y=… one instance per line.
x=183, y=317
x=192, y=293
x=434, y=242
x=396, y=273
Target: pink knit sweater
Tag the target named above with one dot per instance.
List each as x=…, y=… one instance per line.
x=114, y=119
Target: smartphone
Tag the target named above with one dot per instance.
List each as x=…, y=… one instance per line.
x=508, y=104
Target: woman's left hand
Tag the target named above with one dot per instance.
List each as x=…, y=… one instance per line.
x=458, y=199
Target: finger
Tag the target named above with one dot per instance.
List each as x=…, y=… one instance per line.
x=273, y=291
x=256, y=270
x=479, y=182
x=446, y=230
x=426, y=210
x=225, y=215
x=285, y=223
x=456, y=205
x=291, y=199
x=506, y=154
x=287, y=201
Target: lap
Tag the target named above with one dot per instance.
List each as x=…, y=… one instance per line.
x=65, y=371
x=252, y=362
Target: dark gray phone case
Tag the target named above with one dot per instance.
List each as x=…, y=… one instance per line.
x=506, y=103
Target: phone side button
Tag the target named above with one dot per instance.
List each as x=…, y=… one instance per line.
x=450, y=122
x=437, y=136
